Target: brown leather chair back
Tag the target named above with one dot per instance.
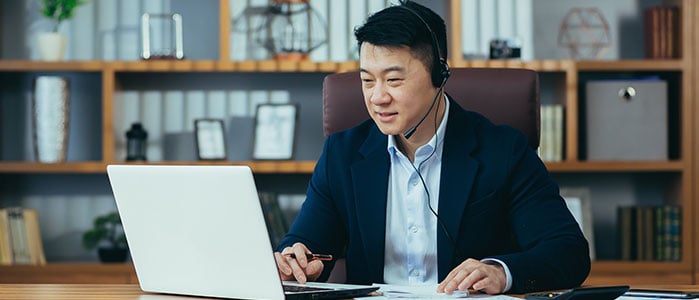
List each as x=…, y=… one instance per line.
x=505, y=96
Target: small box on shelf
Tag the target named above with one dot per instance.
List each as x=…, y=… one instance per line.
x=627, y=120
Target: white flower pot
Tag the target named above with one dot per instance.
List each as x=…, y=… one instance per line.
x=52, y=46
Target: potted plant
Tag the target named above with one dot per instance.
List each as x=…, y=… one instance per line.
x=108, y=234
x=52, y=44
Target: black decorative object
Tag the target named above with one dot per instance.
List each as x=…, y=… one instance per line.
x=136, y=143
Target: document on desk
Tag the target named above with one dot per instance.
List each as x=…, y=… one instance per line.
x=429, y=291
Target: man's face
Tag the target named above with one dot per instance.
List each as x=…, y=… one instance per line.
x=397, y=87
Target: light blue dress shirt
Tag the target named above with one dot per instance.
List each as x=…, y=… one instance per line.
x=411, y=228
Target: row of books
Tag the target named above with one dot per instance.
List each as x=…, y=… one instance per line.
x=551, y=144
x=20, y=237
x=650, y=233
x=661, y=31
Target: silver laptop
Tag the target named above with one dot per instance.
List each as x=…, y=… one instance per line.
x=200, y=230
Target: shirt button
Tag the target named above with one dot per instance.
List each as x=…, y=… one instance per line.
x=415, y=183
x=413, y=229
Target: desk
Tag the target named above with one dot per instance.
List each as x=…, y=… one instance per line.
x=133, y=292
x=81, y=292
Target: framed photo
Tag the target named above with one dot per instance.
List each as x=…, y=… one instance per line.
x=210, y=139
x=578, y=202
x=275, y=130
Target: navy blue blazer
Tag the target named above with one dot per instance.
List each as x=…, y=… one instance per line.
x=496, y=200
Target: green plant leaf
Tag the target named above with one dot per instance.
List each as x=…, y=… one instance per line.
x=59, y=10
x=106, y=230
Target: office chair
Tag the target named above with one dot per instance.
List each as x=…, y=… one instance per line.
x=504, y=96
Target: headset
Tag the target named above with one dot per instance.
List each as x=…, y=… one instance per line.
x=440, y=69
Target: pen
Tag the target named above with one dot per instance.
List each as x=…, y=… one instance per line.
x=311, y=256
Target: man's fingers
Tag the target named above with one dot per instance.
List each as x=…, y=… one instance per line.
x=471, y=279
x=300, y=251
x=488, y=285
x=282, y=264
x=442, y=288
x=299, y=274
x=314, y=269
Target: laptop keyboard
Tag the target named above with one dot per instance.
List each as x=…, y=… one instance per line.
x=299, y=288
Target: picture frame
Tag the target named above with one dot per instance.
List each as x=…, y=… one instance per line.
x=274, y=131
x=578, y=202
x=161, y=36
x=210, y=139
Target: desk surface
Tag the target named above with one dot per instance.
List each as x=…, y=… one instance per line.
x=133, y=292
x=81, y=291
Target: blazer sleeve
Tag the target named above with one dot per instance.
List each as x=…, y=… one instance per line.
x=555, y=254
x=319, y=225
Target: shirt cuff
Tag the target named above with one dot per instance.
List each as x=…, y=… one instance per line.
x=508, y=275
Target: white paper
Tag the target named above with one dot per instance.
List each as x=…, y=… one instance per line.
x=428, y=291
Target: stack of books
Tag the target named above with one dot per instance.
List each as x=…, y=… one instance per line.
x=662, y=32
x=551, y=144
x=650, y=233
x=20, y=237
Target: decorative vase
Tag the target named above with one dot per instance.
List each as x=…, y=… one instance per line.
x=112, y=255
x=50, y=118
x=52, y=46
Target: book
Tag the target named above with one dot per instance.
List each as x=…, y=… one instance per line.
x=36, y=247
x=649, y=233
x=5, y=245
x=625, y=228
x=20, y=237
x=651, y=28
x=662, y=32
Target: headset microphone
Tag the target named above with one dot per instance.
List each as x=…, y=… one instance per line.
x=410, y=131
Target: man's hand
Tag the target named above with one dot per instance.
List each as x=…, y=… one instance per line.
x=299, y=268
x=475, y=275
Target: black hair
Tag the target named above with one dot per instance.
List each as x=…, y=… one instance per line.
x=401, y=26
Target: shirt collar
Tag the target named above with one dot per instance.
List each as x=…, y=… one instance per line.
x=437, y=140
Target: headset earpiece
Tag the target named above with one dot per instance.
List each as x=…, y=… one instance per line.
x=440, y=68
x=444, y=74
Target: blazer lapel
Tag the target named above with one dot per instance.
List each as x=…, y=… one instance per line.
x=370, y=179
x=459, y=171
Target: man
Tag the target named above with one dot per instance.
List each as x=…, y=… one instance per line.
x=427, y=192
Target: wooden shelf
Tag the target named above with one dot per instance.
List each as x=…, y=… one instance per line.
x=40, y=66
x=550, y=65
x=624, y=272
x=616, y=166
x=258, y=167
x=546, y=65
x=69, y=167
x=69, y=273
x=180, y=66
x=632, y=65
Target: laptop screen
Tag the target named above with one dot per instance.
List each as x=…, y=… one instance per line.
x=200, y=230
x=196, y=230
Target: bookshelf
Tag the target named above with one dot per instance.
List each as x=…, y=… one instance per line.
x=678, y=174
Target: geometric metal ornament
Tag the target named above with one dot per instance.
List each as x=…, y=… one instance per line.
x=584, y=33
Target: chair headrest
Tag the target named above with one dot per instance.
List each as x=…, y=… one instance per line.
x=505, y=96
